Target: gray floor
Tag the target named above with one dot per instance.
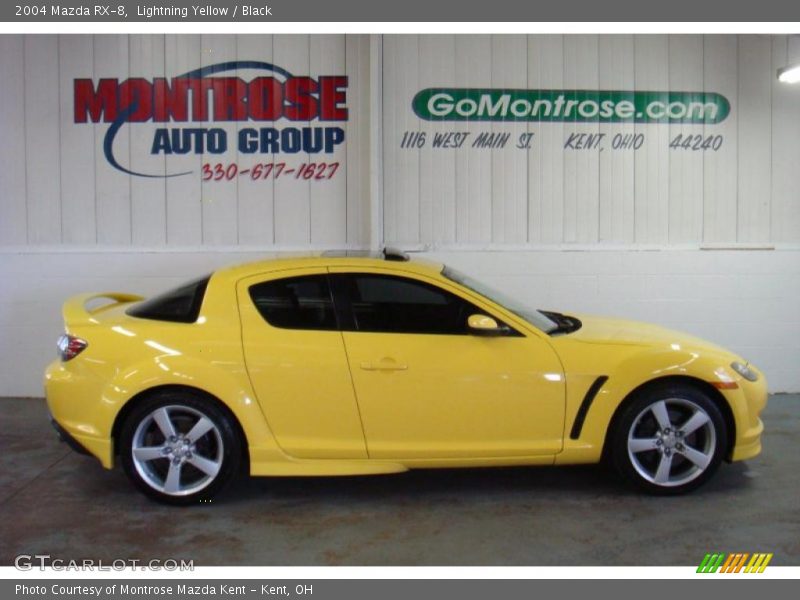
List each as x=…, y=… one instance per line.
x=59, y=503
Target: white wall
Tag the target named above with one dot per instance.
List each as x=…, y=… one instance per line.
x=707, y=243
x=746, y=301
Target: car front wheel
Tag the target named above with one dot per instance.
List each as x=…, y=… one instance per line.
x=670, y=440
x=179, y=448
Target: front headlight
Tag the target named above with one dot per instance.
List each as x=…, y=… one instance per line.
x=745, y=371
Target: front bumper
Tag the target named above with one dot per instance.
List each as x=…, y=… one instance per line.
x=749, y=445
x=747, y=403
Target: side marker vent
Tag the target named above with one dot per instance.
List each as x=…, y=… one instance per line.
x=583, y=410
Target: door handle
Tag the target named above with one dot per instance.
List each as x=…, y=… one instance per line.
x=384, y=364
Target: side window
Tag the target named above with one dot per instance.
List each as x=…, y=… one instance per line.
x=179, y=305
x=296, y=302
x=382, y=303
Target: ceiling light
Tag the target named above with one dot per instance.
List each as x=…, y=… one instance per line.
x=789, y=74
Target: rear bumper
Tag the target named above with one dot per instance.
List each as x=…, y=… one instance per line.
x=101, y=449
x=77, y=422
x=69, y=440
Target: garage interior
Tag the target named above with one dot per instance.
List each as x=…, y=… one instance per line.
x=702, y=239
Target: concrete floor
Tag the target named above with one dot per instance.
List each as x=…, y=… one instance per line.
x=59, y=503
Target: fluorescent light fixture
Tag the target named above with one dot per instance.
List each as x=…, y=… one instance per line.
x=789, y=74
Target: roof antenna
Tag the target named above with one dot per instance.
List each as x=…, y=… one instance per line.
x=394, y=254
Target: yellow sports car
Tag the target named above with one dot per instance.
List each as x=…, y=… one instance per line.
x=355, y=365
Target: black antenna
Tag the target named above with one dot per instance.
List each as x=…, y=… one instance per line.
x=394, y=254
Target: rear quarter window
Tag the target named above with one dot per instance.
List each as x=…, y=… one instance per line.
x=303, y=302
x=179, y=305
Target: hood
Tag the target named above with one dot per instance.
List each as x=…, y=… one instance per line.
x=611, y=331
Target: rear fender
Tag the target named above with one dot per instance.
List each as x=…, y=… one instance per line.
x=232, y=390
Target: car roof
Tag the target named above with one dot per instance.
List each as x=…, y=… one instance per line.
x=345, y=258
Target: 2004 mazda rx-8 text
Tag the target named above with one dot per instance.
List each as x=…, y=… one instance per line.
x=349, y=365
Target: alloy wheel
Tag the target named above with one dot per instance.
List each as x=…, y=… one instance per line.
x=671, y=442
x=177, y=450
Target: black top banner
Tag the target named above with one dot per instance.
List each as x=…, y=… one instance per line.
x=441, y=11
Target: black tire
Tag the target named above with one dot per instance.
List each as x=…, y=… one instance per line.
x=687, y=459
x=205, y=463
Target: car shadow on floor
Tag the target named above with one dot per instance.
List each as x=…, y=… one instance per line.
x=589, y=481
x=583, y=482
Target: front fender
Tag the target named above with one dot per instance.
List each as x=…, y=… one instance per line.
x=640, y=368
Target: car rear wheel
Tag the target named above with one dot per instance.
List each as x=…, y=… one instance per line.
x=669, y=440
x=180, y=448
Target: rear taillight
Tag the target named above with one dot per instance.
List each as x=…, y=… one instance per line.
x=70, y=346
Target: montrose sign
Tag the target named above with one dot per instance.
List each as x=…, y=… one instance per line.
x=465, y=107
x=602, y=106
x=216, y=108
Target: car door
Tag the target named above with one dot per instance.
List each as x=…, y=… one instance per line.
x=429, y=389
x=296, y=362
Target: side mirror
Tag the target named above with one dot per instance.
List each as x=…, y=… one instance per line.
x=485, y=325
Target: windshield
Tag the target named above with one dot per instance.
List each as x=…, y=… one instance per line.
x=519, y=308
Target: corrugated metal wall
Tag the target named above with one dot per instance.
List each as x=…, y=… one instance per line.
x=745, y=192
x=58, y=188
